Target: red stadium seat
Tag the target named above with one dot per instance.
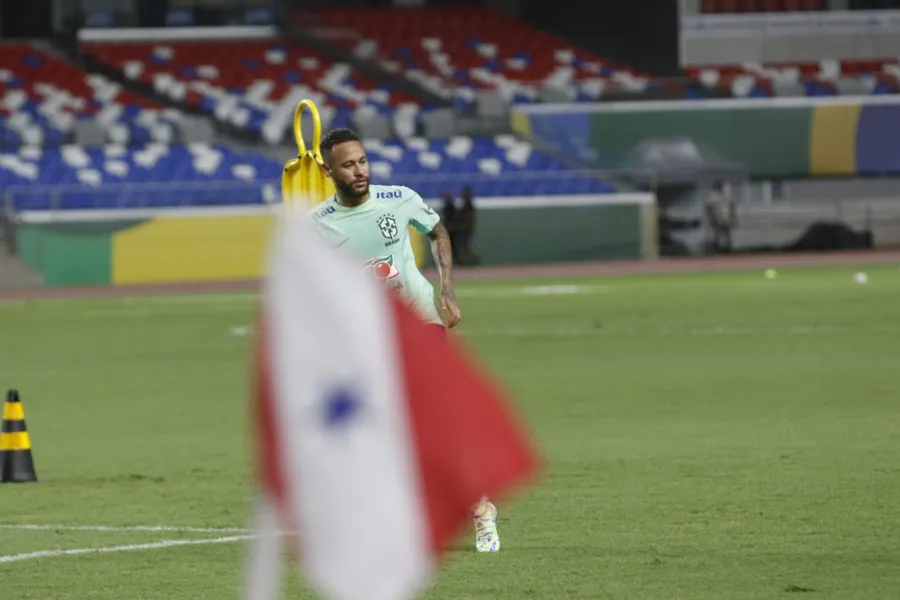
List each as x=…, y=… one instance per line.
x=50, y=94
x=820, y=75
x=752, y=6
x=472, y=46
x=231, y=66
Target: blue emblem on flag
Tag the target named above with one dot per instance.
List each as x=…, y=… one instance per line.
x=340, y=407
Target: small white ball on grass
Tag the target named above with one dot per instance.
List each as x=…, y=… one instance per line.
x=861, y=278
x=770, y=273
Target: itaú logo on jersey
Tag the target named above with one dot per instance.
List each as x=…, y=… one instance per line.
x=382, y=268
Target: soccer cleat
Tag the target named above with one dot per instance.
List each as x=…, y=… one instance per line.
x=485, y=517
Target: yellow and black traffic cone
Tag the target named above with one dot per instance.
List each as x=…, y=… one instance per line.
x=16, y=464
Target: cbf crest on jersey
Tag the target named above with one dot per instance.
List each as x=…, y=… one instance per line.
x=388, y=226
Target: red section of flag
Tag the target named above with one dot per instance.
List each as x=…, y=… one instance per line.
x=270, y=467
x=467, y=442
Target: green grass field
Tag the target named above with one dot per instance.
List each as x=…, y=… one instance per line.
x=708, y=436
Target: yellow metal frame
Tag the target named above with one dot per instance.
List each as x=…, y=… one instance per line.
x=304, y=180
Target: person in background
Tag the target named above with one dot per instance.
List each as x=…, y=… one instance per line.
x=449, y=217
x=721, y=216
x=466, y=229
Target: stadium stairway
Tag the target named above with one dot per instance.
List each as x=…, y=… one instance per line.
x=14, y=274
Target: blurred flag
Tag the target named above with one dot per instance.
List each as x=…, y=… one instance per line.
x=374, y=435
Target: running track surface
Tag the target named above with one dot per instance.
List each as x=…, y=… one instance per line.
x=581, y=269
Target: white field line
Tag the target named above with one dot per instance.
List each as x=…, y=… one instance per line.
x=142, y=305
x=209, y=298
x=130, y=312
x=127, y=548
x=713, y=330
x=122, y=528
x=66, y=304
x=530, y=291
x=182, y=305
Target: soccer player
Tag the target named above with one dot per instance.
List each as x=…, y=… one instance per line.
x=373, y=222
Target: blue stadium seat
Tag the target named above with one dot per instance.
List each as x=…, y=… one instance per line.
x=157, y=175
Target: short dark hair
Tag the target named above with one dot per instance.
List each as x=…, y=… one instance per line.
x=335, y=137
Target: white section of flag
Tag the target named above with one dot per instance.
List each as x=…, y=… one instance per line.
x=353, y=485
x=262, y=578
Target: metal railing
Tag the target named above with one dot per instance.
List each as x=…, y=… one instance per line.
x=138, y=195
x=236, y=193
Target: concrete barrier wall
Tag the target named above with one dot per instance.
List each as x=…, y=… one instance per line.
x=133, y=246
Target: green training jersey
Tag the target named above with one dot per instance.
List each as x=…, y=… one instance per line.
x=378, y=232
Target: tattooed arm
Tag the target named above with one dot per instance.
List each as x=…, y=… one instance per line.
x=443, y=258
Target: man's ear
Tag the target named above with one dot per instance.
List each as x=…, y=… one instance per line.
x=326, y=170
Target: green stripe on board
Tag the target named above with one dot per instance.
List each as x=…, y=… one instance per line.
x=772, y=143
x=566, y=234
x=769, y=142
x=67, y=255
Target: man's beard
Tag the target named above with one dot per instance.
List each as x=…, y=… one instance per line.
x=347, y=191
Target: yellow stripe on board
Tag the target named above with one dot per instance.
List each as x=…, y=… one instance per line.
x=15, y=441
x=13, y=411
x=832, y=144
x=223, y=248
x=649, y=232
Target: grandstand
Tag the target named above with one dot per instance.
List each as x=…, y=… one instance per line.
x=76, y=177
x=456, y=52
x=43, y=96
x=793, y=55
x=202, y=116
x=760, y=6
x=252, y=84
x=824, y=78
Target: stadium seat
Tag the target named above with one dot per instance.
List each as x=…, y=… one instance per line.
x=160, y=175
x=755, y=6
x=824, y=78
x=252, y=84
x=42, y=96
x=456, y=51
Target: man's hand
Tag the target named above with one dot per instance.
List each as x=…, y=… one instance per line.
x=443, y=257
x=450, y=304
